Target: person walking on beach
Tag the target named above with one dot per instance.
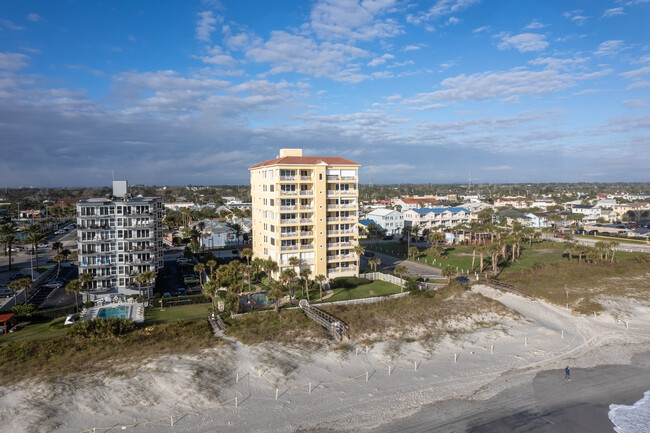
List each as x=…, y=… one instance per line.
x=567, y=374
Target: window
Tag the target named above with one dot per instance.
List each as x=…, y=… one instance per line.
x=320, y=176
x=271, y=187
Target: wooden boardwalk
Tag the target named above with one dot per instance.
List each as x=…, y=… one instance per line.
x=338, y=328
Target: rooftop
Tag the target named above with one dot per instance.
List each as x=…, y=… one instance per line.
x=305, y=160
x=441, y=210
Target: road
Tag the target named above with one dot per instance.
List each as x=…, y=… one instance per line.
x=388, y=263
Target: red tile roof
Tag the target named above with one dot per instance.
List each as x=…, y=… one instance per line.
x=409, y=200
x=305, y=160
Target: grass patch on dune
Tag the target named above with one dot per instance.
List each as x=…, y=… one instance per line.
x=92, y=353
x=287, y=326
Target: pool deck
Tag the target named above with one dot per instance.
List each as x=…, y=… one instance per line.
x=136, y=310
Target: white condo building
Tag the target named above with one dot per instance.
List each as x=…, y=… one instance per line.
x=118, y=238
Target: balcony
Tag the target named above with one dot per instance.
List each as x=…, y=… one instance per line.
x=288, y=207
x=289, y=248
x=348, y=257
x=288, y=221
x=307, y=192
x=306, y=178
x=288, y=234
x=348, y=192
x=346, y=244
x=306, y=247
x=307, y=207
x=305, y=234
x=306, y=220
x=333, y=232
x=288, y=178
x=334, y=257
x=281, y=192
x=333, y=245
x=342, y=270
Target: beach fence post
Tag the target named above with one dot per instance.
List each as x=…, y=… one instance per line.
x=276, y=393
x=356, y=351
x=389, y=370
x=237, y=378
x=366, y=375
x=491, y=348
x=259, y=374
x=526, y=341
x=172, y=420
x=563, y=334
x=455, y=357
x=415, y=365
x=310, y=387
x=236, y=402
x=627, y=326
x=366, y=350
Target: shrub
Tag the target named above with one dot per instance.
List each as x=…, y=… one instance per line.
x=24, y=310
x=411, y=285
x=105, y=328
x=348, y=282
x=89, y=304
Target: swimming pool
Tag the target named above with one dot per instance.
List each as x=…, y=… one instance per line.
x=260, y=298
x=119, y=312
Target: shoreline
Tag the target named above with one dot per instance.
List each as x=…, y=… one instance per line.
x=547, y=404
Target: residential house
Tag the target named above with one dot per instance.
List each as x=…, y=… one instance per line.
x=407, y=203
x=514, y=202
x=435, y=217
x=389, y=219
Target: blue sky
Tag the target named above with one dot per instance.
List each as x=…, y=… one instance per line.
x=174, y=93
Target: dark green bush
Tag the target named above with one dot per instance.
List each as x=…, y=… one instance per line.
x=102, y=328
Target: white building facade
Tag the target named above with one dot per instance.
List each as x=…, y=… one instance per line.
x=389, y=219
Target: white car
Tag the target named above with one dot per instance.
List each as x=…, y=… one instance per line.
x=60, y=232
x=43, y=245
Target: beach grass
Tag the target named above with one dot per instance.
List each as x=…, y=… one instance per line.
x=376, y=288
x=72, y=353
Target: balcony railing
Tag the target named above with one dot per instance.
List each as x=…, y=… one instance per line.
x=333, y=245
x=305, y=234
x=306, y=220
x=287, y=178
x=288, y=234
x=306, y=247
x=288, y=192
x=309, y=178
x=342, y=270
x=288, y=247
x=307, y=207
x=288, y=207
x=307, y=192
x=333, y=232
x=334, y=257
x=288, y=221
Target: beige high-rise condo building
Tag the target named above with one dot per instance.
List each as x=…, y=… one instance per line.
x=306, y=207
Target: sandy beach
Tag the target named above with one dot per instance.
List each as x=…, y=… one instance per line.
x=504, y=378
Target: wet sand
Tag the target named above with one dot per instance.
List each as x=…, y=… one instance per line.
x=548, y=404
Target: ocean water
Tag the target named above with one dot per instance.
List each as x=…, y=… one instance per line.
x=631, y=419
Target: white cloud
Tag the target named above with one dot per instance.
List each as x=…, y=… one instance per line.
x=575, y=16
x=34, y=17
x=353, y=20
x=287, y=52
x=634, y=103
x=559, y=63
x=638, y=85
x=609, y=48
x=452, y=21
x=7, y=24
x=394, y=97
x=481, y=29
x=534, y=25
x=503, y=85
x=440, y=9
x=413, y=47
x=205, y=26
x=216, y=56
x=637, y=73
x=13, y=61
x=523, y=42
x=497, y=168
x=613, y=12
x=381, y=60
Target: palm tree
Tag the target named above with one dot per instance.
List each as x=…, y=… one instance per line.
x=494, y=249
x=248, y=253
x=414, y=251
x=269, y=267
x=57, y=246
x=237, y=228
x=374, y=262
x=58, y=258
x=612, y=246
x=400, y=271
x=568, y=249
x=481, y=250
x=601, y=247
x=74, y=286
x=200, y=268
x=18, y=285
x=147, y=279
x=8, y=237
x=212, y=263
x=275, y=294
x=86, y=278
x=210, y=289
x=320, y=278
x=304, y=274
x=359, y=250
x=286, y=277
x=448, y=272
x=257, y=264
x=35, y=237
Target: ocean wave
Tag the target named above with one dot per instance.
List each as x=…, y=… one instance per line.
x=631, y=419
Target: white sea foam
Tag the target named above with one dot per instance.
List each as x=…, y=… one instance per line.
x=631, y=419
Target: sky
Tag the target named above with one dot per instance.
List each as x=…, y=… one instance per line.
x=440, y=91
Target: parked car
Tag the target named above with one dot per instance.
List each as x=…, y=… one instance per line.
x=54, y=284
x=181, y=291
x=559, y=235
x=190, y=278
x=369, y=254
x=43, y=245
x=60, y=232
x=5, y=292
x=167, y=295
x=388, y=238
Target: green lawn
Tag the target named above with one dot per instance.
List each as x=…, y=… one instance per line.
x=171, y=314
x=376, y=288
x=36, y=331
x=611, y=238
